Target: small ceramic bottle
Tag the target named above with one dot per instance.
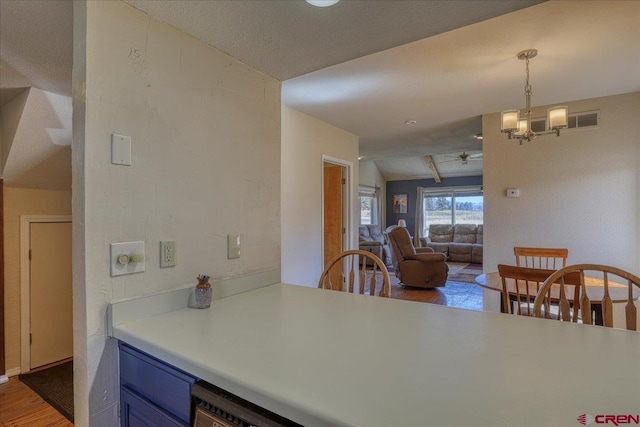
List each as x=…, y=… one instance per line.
x=203, y=292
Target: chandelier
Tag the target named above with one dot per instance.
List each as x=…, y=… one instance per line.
x=520, y=129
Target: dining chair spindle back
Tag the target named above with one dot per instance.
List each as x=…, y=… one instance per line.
x=546, y=258
x=610, y=276
x=521, y=285
x=341, y=272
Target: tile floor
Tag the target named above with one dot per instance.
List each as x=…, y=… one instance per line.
x=454, y=294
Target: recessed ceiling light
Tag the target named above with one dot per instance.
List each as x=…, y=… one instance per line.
x=360, y=157
x=322, y=3
x=410, y=122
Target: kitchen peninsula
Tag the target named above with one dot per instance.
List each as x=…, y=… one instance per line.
x=325, y=358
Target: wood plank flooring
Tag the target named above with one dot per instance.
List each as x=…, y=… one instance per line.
x=22, y=407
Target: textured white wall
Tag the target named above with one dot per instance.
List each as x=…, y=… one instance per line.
x=579, y=191
x=304, y=141
x=39, y=153
x=206, y=162
x=79, y=243
x=10, y=118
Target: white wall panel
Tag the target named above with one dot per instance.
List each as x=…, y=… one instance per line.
x=205, y=132
x=579, y=190
x=304, y=141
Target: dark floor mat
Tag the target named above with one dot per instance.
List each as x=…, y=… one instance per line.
x=55, y=386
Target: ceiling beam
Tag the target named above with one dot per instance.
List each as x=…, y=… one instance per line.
x=433, y=167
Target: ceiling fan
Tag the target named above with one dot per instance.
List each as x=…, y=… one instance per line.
x=465, y=157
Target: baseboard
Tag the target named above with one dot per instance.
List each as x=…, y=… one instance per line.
x=13, y=372
x=10, y=373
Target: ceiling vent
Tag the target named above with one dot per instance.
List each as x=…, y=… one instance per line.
x=584, y=120
x=589, y=119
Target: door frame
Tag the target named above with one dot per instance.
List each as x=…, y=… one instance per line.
x=3, y=376
x=25, y=280
x=347, y=213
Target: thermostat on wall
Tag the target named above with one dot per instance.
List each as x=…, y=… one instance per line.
x=513, y=192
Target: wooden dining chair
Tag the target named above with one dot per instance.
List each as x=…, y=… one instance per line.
x=546, y=258
x=341, y=272
x=520, y=285
x=610, y=276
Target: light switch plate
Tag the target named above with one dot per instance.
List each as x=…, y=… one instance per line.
x=233, y=246
x=129, y=249
x=120, y=149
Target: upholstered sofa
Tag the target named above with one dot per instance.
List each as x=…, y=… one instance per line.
x=373, y=240
x=460, y=242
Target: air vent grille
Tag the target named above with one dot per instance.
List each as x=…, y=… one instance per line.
x=576, y=121
x=539, y=125
x=584, y=120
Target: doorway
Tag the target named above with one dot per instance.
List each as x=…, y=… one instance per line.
x=336, y=184
x=46, y=296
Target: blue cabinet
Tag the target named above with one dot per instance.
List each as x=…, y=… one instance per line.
x=152, y=393
x=135, y=411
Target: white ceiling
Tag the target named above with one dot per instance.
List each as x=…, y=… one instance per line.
x=290, y=38
x=449, y=165
x=445, y=82
x=36, y=45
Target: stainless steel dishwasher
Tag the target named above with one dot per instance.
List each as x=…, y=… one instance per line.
x=215, y=407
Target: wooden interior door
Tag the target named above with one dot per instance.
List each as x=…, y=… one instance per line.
x=333, y=214
x=51, y=323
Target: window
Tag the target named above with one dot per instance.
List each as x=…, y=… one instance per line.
x=452, y=206
x=468, y=209
x=368, y=206
x=437, y=209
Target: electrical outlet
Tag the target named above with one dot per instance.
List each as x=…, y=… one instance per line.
x=167, y=254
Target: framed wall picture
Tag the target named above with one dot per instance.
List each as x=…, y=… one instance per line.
x=400, y=203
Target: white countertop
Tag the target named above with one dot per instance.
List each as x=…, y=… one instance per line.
x=329, y=358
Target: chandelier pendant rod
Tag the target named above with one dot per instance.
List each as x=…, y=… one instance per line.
x=521, y=129
x=528, y=133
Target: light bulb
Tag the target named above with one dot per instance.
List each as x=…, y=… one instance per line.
x=322, y=3
x=557, y=117
x=510, y=120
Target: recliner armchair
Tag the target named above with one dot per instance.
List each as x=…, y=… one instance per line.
x=416, y=267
